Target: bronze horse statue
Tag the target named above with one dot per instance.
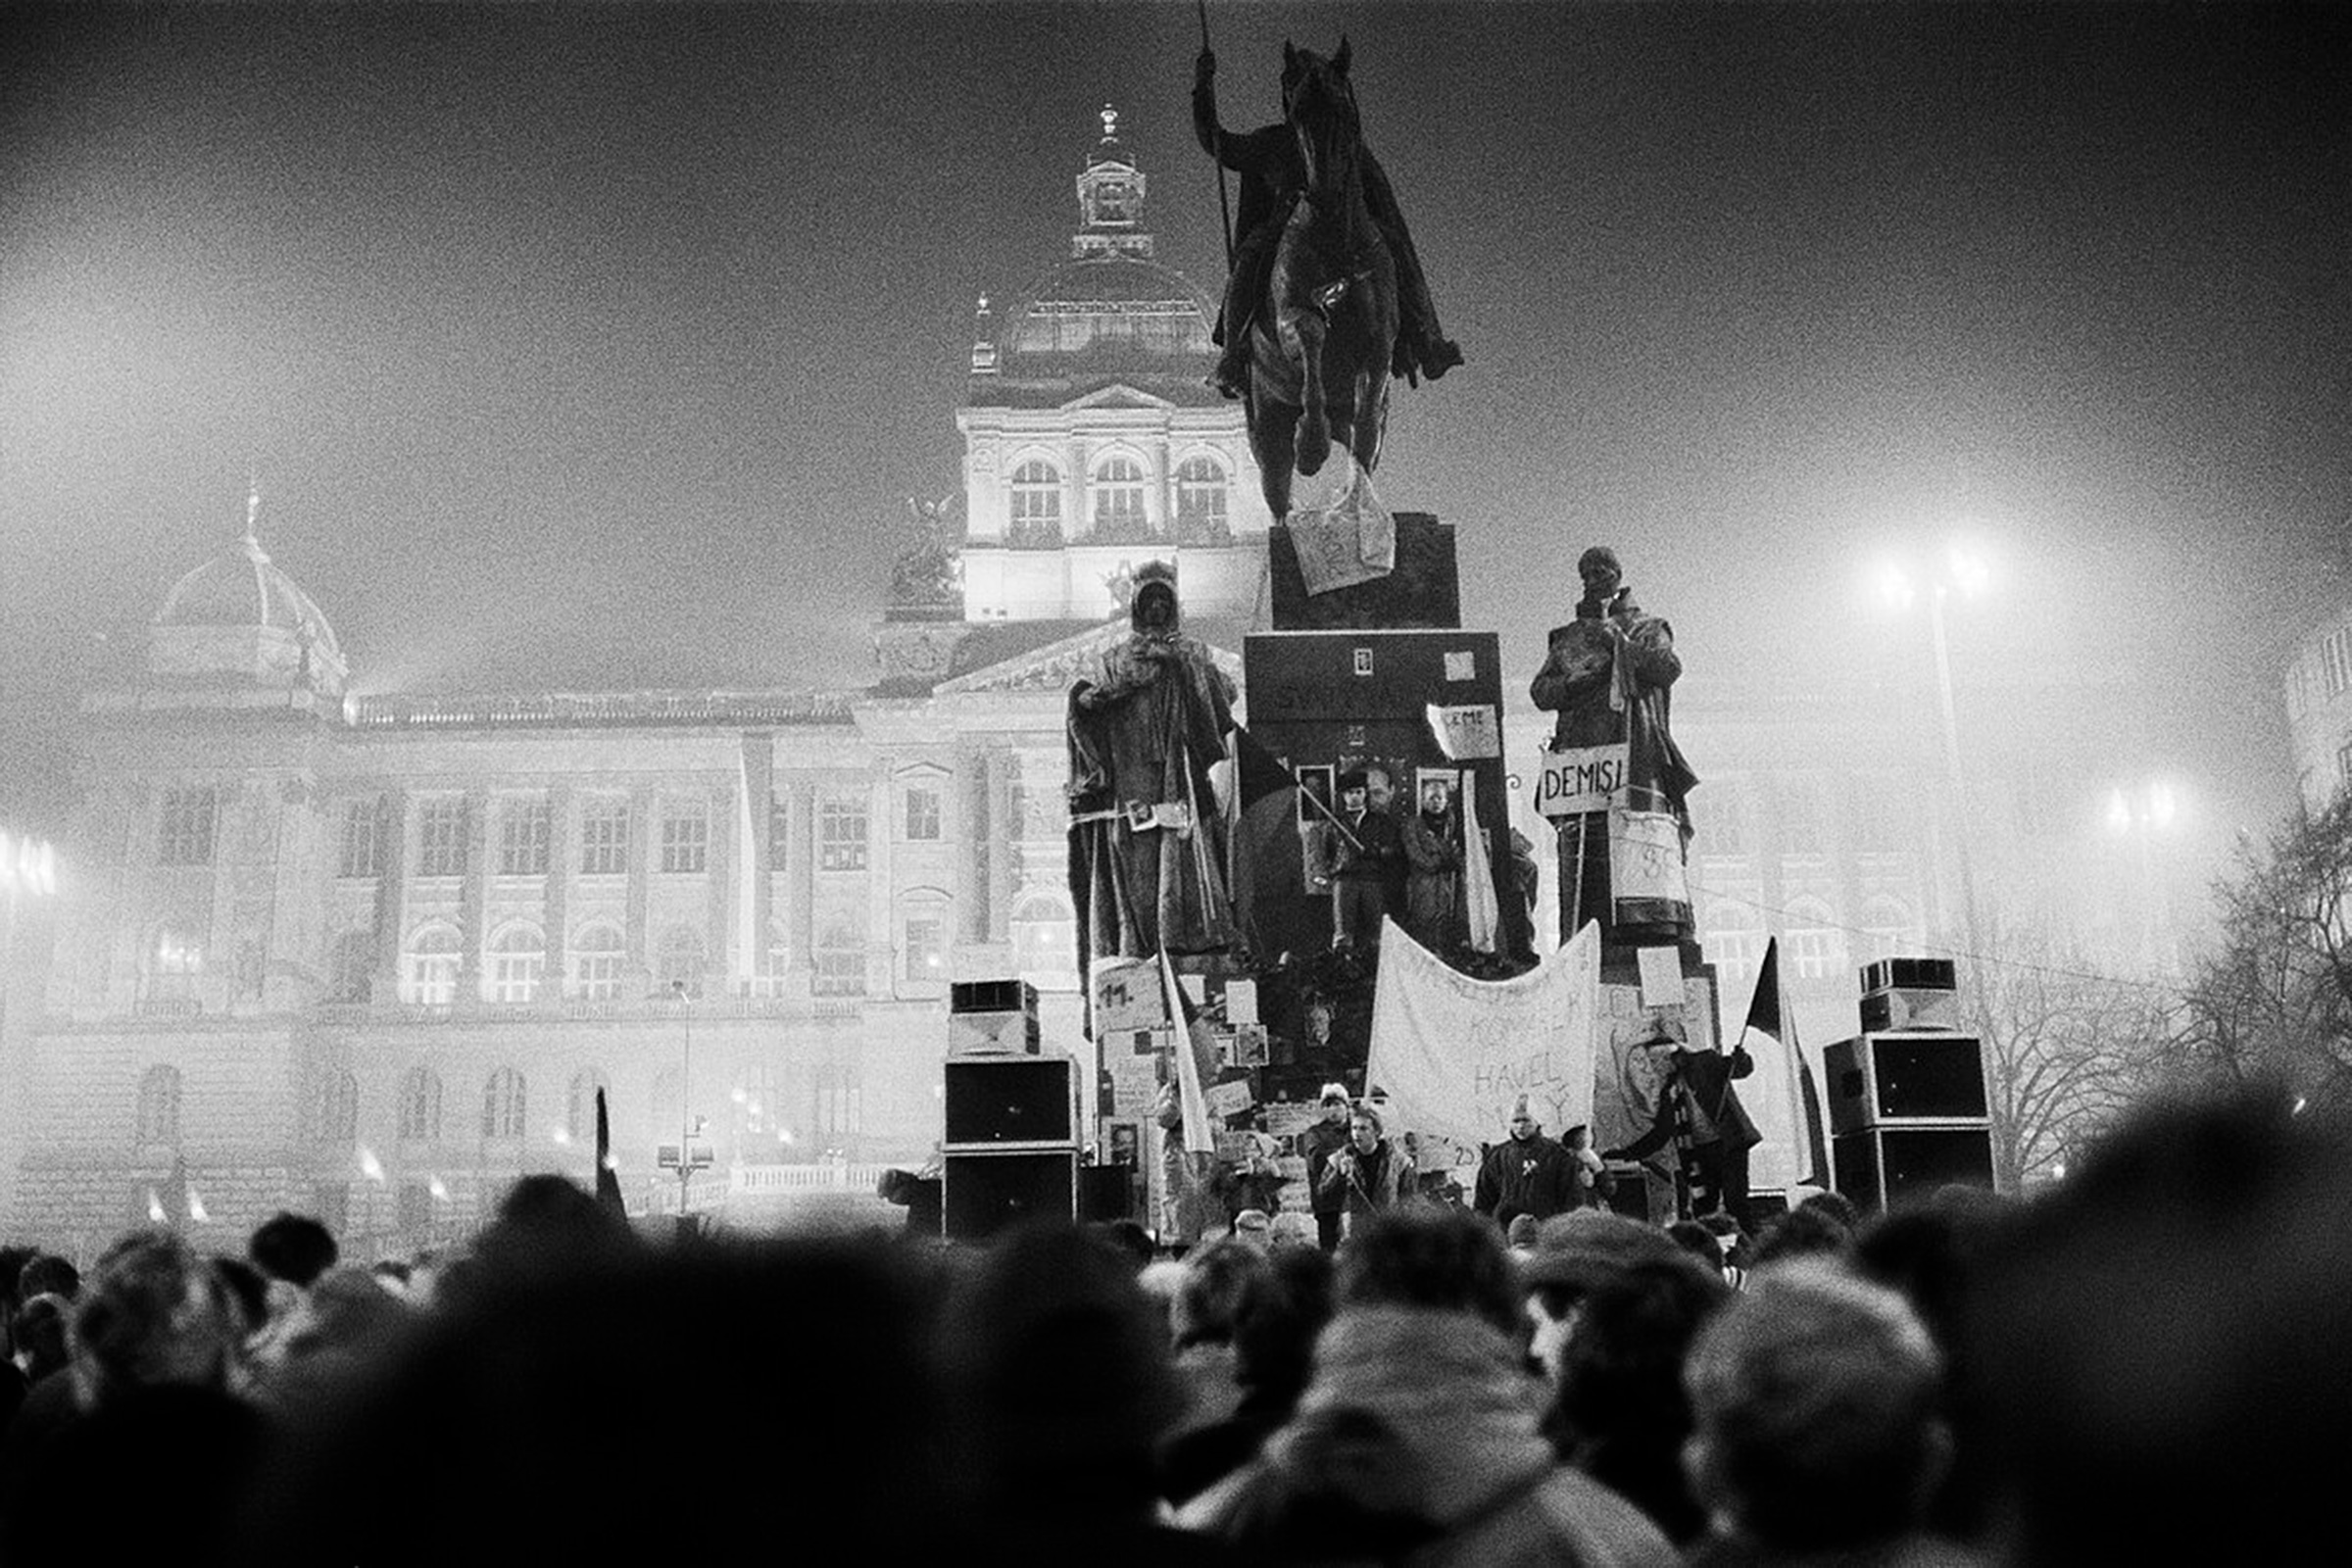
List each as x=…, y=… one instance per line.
x=1323, y=333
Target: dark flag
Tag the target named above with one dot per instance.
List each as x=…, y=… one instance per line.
x=1269, y=858
x=608, y=1179
x=1772, y=1032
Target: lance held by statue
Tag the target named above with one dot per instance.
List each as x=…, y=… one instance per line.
x=1148, y=836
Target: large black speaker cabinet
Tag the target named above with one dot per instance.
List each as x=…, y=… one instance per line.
x=1423, y=590
x=1106, y=1193
x=1881, y=1080
x=1878, y=1169
x=993, y=1101
x=983, y=1194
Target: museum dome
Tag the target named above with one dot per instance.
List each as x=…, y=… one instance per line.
x=1110, y=309
x=241, y=598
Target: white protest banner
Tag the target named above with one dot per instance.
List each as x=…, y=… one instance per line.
x=1645, y=866
x=1466, y=733
x=1584, y=778
x=1451, y=1053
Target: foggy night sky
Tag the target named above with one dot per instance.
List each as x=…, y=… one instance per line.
x=598, y=346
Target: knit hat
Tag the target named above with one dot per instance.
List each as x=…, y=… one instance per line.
x=1332, y=1092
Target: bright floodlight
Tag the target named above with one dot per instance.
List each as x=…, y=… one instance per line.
x=1893, y=586
x=369, y=1166
x=562, y=1136
x=2162, y=807
x=439, y=1190
x=2119, y=813
x=1969, y=572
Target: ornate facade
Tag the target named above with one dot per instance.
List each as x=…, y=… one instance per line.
x=372, y=957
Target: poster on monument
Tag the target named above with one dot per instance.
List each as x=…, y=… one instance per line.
x=1646, y=880
x=1625, y=1081
x=1451, y=1053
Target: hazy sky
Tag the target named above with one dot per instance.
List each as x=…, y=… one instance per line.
x=596, y=344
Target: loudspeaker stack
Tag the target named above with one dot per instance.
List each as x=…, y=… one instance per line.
x=1907, y=1105
x=1010, y=1150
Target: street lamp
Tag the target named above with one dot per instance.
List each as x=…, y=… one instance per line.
x=688, y=1161
x=1963, y=572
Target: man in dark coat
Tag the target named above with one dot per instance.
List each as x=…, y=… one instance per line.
x=1530, y=1173
x=1700, y=1113
x=1272, y=176
x=1364, y=858
x=1325, y=1138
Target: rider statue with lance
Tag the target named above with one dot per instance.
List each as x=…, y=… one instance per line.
x=1274, y=173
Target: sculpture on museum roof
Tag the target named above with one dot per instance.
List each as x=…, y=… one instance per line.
x=1326, y=297
x=927, y=578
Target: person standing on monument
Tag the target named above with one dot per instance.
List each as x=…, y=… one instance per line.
x=1371, y=1173
x=1432, y=840
x=1700, y=1113
x=1364, y=854
x=1609, y=675
x=1273, y=174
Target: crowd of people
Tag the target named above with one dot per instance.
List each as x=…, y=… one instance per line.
x=2147, y=1362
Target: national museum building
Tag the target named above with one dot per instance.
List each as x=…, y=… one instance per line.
x=372, y=957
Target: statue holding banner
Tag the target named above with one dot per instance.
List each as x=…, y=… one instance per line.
x=1148, y=835
x=1609, y=675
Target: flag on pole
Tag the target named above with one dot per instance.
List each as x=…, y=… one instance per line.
x=1192, y=1044
x=1269, y=858
x=608, y=1179
x=1788, y=1116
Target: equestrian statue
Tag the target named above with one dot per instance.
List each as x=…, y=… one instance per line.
x=1326, y=299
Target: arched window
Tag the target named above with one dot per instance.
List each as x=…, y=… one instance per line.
x=1816, y=946
x=335, y=1108
x=1202, y=500
x=351, y=967
x=596, y=959
x=581, y=1122
x=502, y=1105
x=159, y=1107
x=1118, y=499
x=429, y=977
x=1036, y=499
x=518, y=959
x=421, y=1106
x=840, y=956
x=679, y=960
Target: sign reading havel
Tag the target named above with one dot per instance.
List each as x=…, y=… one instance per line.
x=1588, y=778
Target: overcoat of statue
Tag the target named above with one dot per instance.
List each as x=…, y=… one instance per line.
x=1326, y=299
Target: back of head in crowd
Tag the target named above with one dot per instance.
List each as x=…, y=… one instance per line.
x=292, y=1247
x=1434, y=1256
x=793, y=1369
x=1060, y=1373
x=2160, y=1342
x=1210, y=1290
x=1815, y=1400
x=1621, y=1413
x=155, y=1314
x=49, y=1275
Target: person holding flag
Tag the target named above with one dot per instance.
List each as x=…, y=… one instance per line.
x=1700, y=1114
